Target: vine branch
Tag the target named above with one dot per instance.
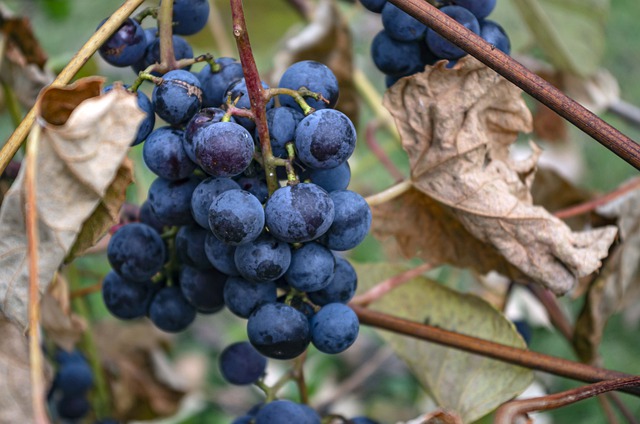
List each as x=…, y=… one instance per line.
x=509, y=354
x=519, y=75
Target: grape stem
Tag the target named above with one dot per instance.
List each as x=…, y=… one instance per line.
x=512, y=355
x=257, y=94
x=528, y=81
x=298, y=96
x=165, y=33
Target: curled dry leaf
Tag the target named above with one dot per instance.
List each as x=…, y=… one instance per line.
x=62, y=326
x=141, y=379
x=457, y=126
x=326, y=39
x=15, y=382
x=618, y=285
x=85, y=138
x=463, y=383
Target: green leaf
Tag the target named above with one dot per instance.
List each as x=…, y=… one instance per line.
x=468, y=384
x=569, y=32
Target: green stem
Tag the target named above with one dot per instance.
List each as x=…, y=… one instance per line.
x=149, y=11
x=10, y=99
x=101, y=395
x=298, y=96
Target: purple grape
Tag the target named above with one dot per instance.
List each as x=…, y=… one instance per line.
x=178, y=97
x=480, y=8
x=240, y=363
x=123, y=298
x=341, y=287
x=401, y=26
x=224, y=149
x=264, y=259
x=203, y=118
x=203, y=289
x=494, y=34
x=189, y=16
x=278, y=331
x=444, y=48
x=221, y=255
x=215, y=84
x=351, y=222
x=189, y=244
x=334, y=328
x=164, y=154
x=181, y=50
x=311, y=268
x=171, y=200
x=204, y=194
x=242, y=296
x=170, y=311
x=136, y=252
x=126, y=46
x=236, y=217
x=313, y=75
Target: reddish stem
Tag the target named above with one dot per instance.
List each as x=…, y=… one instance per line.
x=509, y=412
x=512, y=355
x=531, y=83
x=255, y=90
x=383, y=157
x=389, y=284
x=599, y=201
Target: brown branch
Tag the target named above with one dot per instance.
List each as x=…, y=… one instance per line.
x=84, y=291
x=531, y=83
x=383, y=157
x=509, y=412
x=598, y=201
x=512, y=355
x=255, y=90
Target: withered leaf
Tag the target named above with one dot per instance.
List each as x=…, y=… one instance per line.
x=618, y=285
x=466, y=384
x=326, y=39
x=77, y=161
x=456, y=126
x=61, y=325
x=132, y=353
x=15, y=382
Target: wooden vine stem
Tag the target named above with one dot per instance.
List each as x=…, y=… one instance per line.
x=509, y=354
x=519, y=75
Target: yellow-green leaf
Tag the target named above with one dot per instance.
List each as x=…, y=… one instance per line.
x=468, y=384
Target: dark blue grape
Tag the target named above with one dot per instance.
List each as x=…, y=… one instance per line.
x=221, y=255
x=181, y=50
x=190, y=247
x=74, y=377
x=236, y=217
x=299, y=213
x=64, y=357
x=189, y=16
x=240, y=363
x=73, y=407
x=494, y=34
x=148, y=216
x=204, y=194
x=332, y=179
x=313, y=75
x=444, y=48
x=285, y=411
x=165, y=156
x=351, y=221
x=215, y=84
x=325, y=139
x=334, y=328
x=363, y=420
x=238, y=89
x=341, y=287
x=264, y=259
x=282, y=123
x=224, y=149
x=136, y=252
x=401, y=26
x=398, y=58
x=171, y=200
x=170, y=311
x=204, y=117
x=203, y=289
x=123, y=298
x=147, y=124
x=178, y=97
x=256, y=185
x=245, y=419
x=126, y=46
x=480, y=8
x=311, y=267
x=278, y=331
x=242, y=297
x=389, y=80
x=375, y=6
x=524, y=329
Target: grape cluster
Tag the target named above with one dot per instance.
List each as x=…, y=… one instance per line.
x=210, y=234
x=72, y=382
x=405, y=45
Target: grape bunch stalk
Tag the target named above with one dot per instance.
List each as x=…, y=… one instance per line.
x=252, y=218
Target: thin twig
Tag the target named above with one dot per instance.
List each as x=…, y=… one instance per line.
x=378, y=151
x=38, y=386
x=298, y=376
x=84, y=291
x=509, y=412
x=509, y=354
x=389, y=284
x=519, y=75
x=598, y=201
x=389, y=194
x=77, y=62
x=627, y=111
x=219, y=31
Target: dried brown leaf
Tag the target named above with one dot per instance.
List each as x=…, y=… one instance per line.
x=15, y=383
x=457, y=126
x=142, y=383
x=618, y=285
x=62, y=326
x=78, y=159
x=326, y=39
